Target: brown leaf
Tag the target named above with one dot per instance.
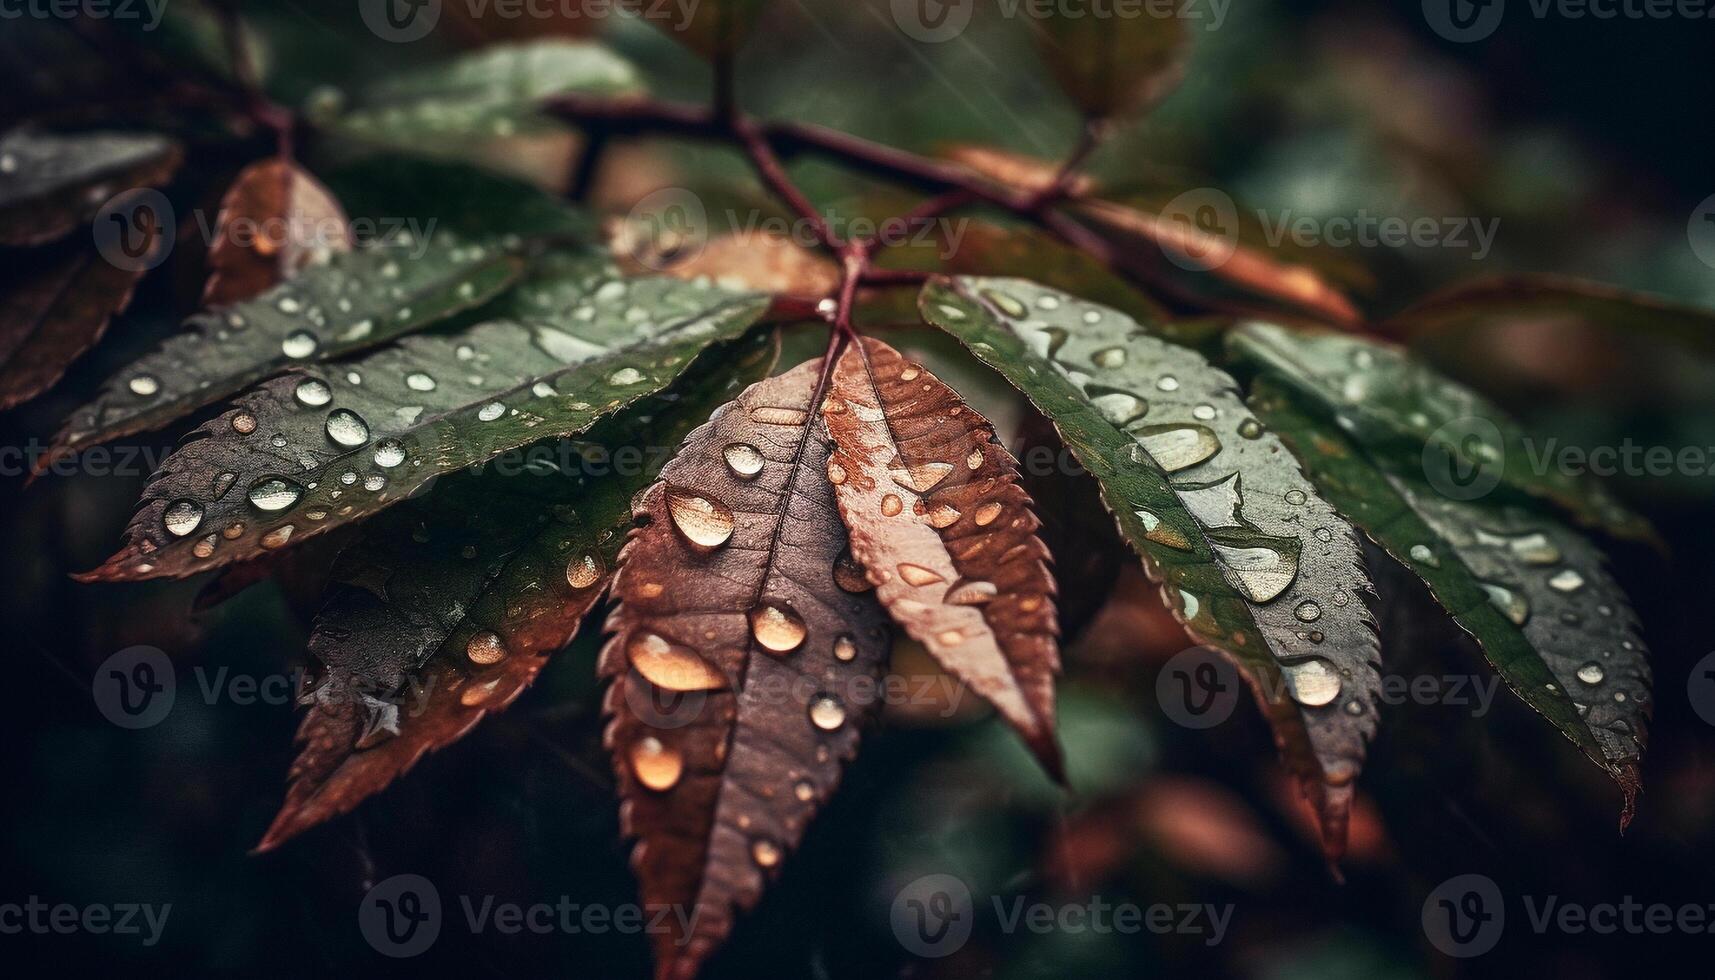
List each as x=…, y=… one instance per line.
x=739, y=666
x=759, y=261
x=274, y=220
x=54, y=305
x=948, y=536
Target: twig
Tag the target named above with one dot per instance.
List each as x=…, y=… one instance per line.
x=264, y=111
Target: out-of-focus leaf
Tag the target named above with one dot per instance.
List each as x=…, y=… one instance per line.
x=275, y=220
x=1483, y=304
x=1534, y=593
x=947, y=534
x=397, y=191
x=761, y=262
x=448, y=607
x=54, y=305
x=990, y=250
x=486, y=95
x=1253, y=561
x=1409, y=413
x=714, y=27
x=1115, y=65
x=327, y=446
x=741, y=665
x=50, y=184
x=1015, y=169
x=356, y=300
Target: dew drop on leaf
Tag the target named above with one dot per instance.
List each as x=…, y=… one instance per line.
x=827, y=713
x=182, y=517
x=1313, y=682
x=917, y=575
x=777, y=628
x=705, y=523
x=299, y=344
x=274, y=493
x=1591, y=673
x=744, y=460
x=346, y=428
x=389, y=453
x=1308, y=611
x=278, y=537
x=765, y=853
x=584, y=571
x=144, y=385
x=671, y=666
x=656, y=766
x=313, y=392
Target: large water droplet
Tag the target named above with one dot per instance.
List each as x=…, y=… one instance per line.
x=1308, y=611
x=485, y=647
x=986, y=514
x=278, y=537
x=313, y=392
x=1508, y=602
x=1109, y=357
x=625, y=376
x=144, y=385
x=584, y=571
x=970, y=592
x=1006, y=303
x=705, y=523
x=922, y=477
x=490, y=412
x=418, y=381
x=941, y=515
x=1260, y=573
x=299, y=344
x=777, y=628
x=1120, y=407
x=849, y=574
x=346, y=428
x=1215, y=504
x=1591, y=673
x=744, y=460
x=274, y=493
x=1178, y=447
x=1313, y=683
x=844, y=649
x=916, y=575
x=655, y=765
x=672, y=666
x=827, y=713
x=1566, y=580
x=389, y=453
x=765, y=853
x=891, y=505
x=182, y=517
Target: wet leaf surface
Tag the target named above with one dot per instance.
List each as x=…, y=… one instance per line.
x=51, y=183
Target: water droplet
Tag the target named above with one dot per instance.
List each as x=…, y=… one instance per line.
x=485, y=647
x=844, y=649
x=827, y=713
x=672, y=666
x=543, y=389
x=1260, y=573
x=1120, y=407
x=1323, y=534
x=1313, y=683
x=765, y=853
x=299, y=344
x=744, y=460
x=1178, y=447
x=1566, y=580
x=1308, y=611
x=389, y=453
x=278, y=537
x=910, y=372
x=974, y=460
x=182, y=517
x=970, y=592
x=1006, y=303
x=777, y=628
x=918, y=575
x=891, y=505
x=1422, y=554
x=778, y=415
x=849, y=575
x=1508, y=602
x=655, y=765
x=921, y=478
x=1591, y=673
x=1250, y=429
x=1167, y=382
x=625, y=376
x=346, y=428
x=837, y=474
x=1354, y=707
x=1535, y=549
x=804, y=791
x=1109, y=357
x=490, y=412
x=1296, y=498
x=313, y=392
x=705, y=523
x=584, y=571
x=1204, y=413
x=986, y=514
x=374, y=482
x=205, y=547
x=244, y=423
x=232, y=532
x=941, y=515
x=274, y=493
x=418, y=381
x=144, y=385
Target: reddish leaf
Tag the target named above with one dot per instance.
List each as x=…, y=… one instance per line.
x=54, y=306
x=273, y=221
x=948, y=536
x=739, y=668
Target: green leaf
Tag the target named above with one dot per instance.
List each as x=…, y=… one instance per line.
x=1253, y=561
x=1412, y=415
x=714, y=28
x=1114, y=65
x=1532, y=592
x=393, y=190
x=490, y=94
x=327, y=446
x=49, y=184
x=357, y=300
x=446, y=608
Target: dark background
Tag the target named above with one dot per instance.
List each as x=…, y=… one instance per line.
x=1591, y=141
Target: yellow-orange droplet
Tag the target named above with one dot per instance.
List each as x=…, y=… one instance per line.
x=971, y=592
x=844, y=649
x=777, y=628
x=827, y=713
x=849, y=575
x=765, y=853
x=910, y=372
x=706, y=524
x=942, y=515
x=656, y=766
x=985, y=515
x=584, y=571
x=891, y=505
x=744, y=460
x=951, y=638
x=836, y=473
x=485, y=647
x=671, y=666
x=918, y=575
x=975, y=460
x=804, y=791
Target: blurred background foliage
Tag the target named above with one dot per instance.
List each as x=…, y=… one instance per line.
x=1591, y=144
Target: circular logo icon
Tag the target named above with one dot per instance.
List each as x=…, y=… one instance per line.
x=932, y=916
x=135, y=229
x=1464, y=915
x=1463, y=459
x=1198, y=688
x=659, y=707
x=401, y=916
x=1700, y=688
x=1701, y=231
x=932, y=21
x=400, y=21
x=1464, y=21
x=668, y=227
x=1201, y=229
x=135, y=688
